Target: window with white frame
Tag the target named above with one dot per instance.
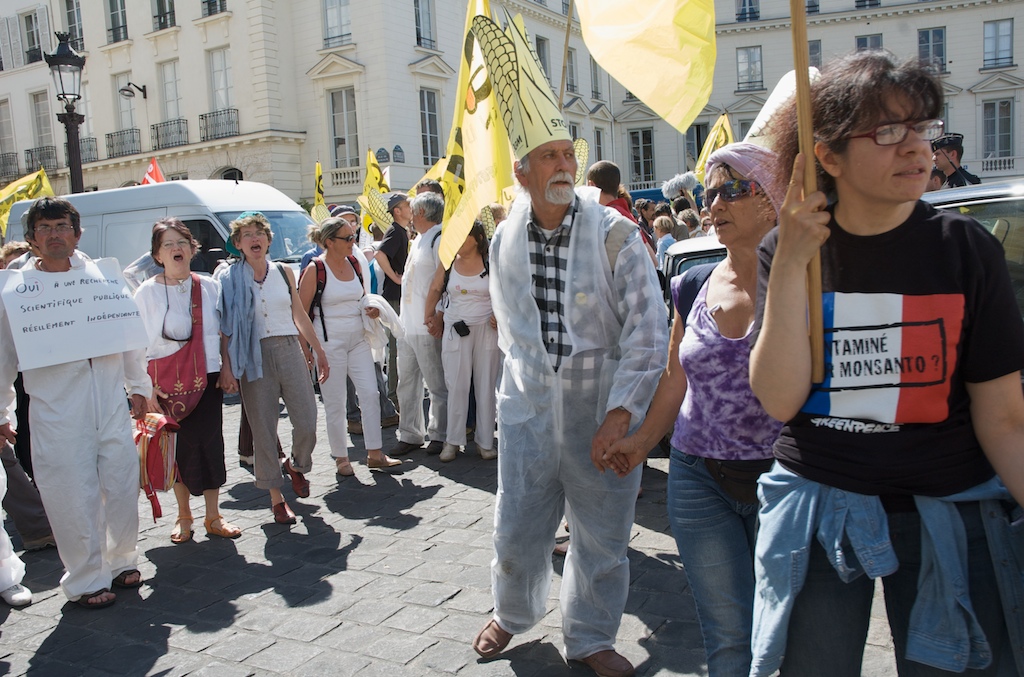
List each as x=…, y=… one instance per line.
x=641, y=154
x=596, y=78
x=931, y=47
x=695, y=137
x=749, y=73
x=220, y=79
x=41, y=119
x=570, y=71
x=424, y=10
x=542, y=53
x=814, y=53
x=7, y=144
x=343, y=127
x=73, y=20
x=598, y=144
x=117, y=21
x=163, y=14
x=998, y=43
x=83, y=106
x=574, y=131
x=337, y=23
x=170, y=86
x=867, y=42
x=430, y=132
x=30, y=38
x=997, y=128
x=125, y=107
x=748, y=10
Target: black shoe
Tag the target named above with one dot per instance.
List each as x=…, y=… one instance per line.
x=403, y=448
x=435, y=447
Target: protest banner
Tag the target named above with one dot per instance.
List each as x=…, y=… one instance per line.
x=57, y=318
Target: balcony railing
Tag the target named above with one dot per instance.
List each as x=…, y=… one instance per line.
x=169, y=134
x=867, y=4
x=571, y=87
x=750, y=85
x=999, y=164
x=77, y=42
x=218, y=124
x=426, y=43
x=9, y=166
x=333, y=41
x=565, y=7
x=211, y=7
x=117, y=34
x=162, y=21
x=748, y=15
x=998, y=62
x=813, y=7
x=346, y=177
x=596, y=94
x=45, y=156
x=87, y=148
x=33, y=55
x=124, y=142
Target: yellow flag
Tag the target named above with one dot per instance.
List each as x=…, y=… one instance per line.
x=25, y=188
x=478, y=167
x=319, y=212
x=674, y=40
x=373, y=185
x=720, y=135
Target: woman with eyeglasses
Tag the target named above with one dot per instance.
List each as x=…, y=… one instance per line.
x=179, y=309
x=721, y=436
x=332, y=290
x=261, y=321
x=891, y=467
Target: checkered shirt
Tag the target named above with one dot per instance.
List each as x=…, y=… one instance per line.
x=549, y=258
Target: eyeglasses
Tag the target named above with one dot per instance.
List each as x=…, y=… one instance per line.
x=61, y=229
x=249, y=235
x=183, y=244
x=894, y=132
x=346, y=238
x=737, y=189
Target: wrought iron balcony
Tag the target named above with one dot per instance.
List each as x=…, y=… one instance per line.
x=211, y=7
x=43, y=156
x=596, y=94
x=998, y=62
x=162, y=21
x=117, y=34
x=813, y=7
x=867, y=4
x=749, y=14
x=750, y=85
x=33, y=55
x=333, y=41
x=565, y=7
x=124, y=142
x=218, y=124
x=77, y=42
x=9, y=169
x=169, y=134
x=427, y=43
x=571, y=87
x=87, y=148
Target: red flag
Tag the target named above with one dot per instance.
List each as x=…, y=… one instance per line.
x=153, y=173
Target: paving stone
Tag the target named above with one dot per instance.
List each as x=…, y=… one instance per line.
x=284, y=656
x=399, y=647
x=415, y=619
x=241, y=645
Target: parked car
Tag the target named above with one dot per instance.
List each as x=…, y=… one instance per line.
x=686, y=254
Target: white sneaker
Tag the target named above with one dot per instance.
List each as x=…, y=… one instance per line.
x=17, y=595
x=488, y=454
x=449, y=452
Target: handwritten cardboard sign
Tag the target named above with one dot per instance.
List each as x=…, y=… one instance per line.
x=57, y=318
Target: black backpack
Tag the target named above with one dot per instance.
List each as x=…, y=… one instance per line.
x=321, y=282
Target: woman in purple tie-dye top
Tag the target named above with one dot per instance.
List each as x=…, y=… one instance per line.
x=722, y=437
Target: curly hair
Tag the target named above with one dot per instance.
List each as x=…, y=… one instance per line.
x=250, y=219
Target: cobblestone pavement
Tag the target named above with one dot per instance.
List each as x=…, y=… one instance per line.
x=384, y=574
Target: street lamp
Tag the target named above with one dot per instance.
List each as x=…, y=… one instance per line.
x=66, y=67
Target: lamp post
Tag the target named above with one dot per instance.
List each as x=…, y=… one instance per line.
x=66, y=67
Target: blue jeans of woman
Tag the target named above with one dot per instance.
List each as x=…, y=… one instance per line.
x=715, y=536
x=829, y=625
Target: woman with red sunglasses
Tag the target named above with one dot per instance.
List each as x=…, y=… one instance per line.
x=722, y=437
x=888, y=468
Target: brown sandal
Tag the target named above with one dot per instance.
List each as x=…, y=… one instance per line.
x=225, y=530
x=180, y=534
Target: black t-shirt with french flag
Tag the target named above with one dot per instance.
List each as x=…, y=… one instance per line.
x=910, y=316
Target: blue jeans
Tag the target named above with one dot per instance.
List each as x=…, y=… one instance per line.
x=829, y=625
x=715, y=536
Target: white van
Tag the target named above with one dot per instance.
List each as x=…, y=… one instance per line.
x=119, y=222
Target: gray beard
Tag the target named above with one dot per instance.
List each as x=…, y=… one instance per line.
x=558, y=196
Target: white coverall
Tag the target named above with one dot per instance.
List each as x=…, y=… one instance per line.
x=12, y=569
x=618, y=328
x=84, y=459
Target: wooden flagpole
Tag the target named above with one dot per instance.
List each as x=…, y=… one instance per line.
x=805, y=132
x=565, y=56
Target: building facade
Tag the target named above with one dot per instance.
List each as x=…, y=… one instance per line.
x=261, y=90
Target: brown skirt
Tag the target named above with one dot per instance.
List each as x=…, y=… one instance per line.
x=200, y=448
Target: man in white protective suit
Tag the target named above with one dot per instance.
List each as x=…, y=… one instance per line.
x=85, y=462
x=585, y=336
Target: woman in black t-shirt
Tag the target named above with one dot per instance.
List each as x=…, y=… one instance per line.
x=922, y=397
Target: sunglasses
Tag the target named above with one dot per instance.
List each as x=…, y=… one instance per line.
x=346, y=238
x=737, y=189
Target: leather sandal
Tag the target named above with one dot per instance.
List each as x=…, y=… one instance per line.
x=384, y=461
x=182, y=532
x=225, y=530
x=121, y=580
x=492, y=640
x=83, y=601
x=344, y=467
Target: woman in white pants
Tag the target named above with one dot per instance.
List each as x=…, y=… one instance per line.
x=469, y=348
x=337, y=316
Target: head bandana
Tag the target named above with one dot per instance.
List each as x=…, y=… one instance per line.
x=752, y=162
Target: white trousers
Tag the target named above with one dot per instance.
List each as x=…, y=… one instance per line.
x=350, y=354
x=419, y=362
x=12, y=569
x=475, y=357
x=87, y=470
